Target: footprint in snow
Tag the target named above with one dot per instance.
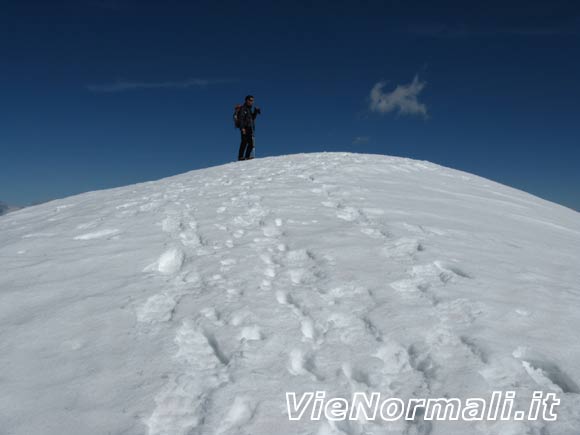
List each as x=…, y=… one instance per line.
x=283, y=297
x=158, y=308
x=395, y=358
x=460, y=311
x=403, y=247
x=127, y=205
x=349, y=214
x=171, y=224
x=189, y=236
x=240, y=414
x=64, y=206
x=88, y=225
x=153, y=205
x=302, y=363
x=374, y=233
x=307, y=328
x=330, y=204
x=272, y=229
x=102, y=234
x=369, y=375
x=544, y=372
x=424, y=277
x=212, y=314
x=227, y=264
x=250, y=333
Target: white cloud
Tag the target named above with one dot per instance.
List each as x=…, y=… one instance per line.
x=360, y=140
x=123, y=85
x=403, y=99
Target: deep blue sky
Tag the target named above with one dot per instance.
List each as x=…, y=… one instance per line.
x=103, y=93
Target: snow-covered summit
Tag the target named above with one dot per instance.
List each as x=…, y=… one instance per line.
x=192, y=304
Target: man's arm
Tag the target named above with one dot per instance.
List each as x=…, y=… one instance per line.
x=243, y=120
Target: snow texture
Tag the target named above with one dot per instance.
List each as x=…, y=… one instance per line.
x=190, y=305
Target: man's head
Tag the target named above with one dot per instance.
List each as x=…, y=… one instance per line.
x=250, y=100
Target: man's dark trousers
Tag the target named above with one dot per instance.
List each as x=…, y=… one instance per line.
x=247, y=145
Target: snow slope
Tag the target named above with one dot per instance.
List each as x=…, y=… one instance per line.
x=190, y=305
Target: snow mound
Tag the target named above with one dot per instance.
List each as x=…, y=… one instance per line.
x=192, y=304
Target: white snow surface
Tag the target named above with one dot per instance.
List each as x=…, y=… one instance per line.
x=192, y=304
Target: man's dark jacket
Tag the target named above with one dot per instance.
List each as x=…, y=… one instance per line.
x=246, y=116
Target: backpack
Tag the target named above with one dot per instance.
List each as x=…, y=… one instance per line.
x=236, y=115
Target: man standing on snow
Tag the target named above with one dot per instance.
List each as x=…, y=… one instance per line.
x=246, y=118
